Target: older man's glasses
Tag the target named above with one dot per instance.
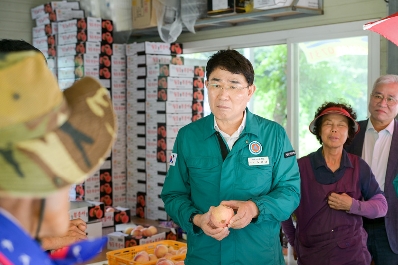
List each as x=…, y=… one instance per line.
x=231, y=88
x=378, y=98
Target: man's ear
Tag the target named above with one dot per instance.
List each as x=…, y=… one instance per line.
x=251, y=90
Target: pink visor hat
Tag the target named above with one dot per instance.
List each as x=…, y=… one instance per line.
x=333, y=110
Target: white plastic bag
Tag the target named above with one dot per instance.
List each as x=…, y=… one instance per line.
x=191, y=11
x=172, y=15
x=169, y=19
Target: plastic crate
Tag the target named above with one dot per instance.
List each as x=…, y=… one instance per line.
x=125, y=256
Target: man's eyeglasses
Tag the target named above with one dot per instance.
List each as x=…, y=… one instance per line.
x=232, y=88
x=390, y=101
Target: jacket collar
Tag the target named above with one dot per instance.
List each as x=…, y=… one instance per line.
x=252, y=126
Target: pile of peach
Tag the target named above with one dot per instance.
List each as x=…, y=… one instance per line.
x=139, y=231
x=162, y=255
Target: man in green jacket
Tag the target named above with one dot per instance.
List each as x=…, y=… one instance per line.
x=238, y=159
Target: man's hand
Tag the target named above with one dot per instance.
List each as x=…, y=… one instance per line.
x=341, y=202
x=78, y=226
x=76, y=232
x=203, y=221
x=245, y=212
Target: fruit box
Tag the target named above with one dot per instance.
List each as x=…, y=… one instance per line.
x=118, y=240
x=86, y=210
x=117, y=215
x=125, y=256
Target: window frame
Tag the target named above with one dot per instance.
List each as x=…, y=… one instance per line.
x=291, y=38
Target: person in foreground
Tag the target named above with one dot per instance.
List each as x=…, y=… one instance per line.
x=337, y=189
x=77, y=227
x=234, y=158
x=49, y=139
x=377, y=144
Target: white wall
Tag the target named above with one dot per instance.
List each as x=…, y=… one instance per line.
x=15, y=19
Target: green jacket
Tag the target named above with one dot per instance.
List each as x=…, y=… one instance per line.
x=198, y=178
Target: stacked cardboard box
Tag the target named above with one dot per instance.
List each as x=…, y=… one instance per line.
x=47, y=17
x=175, y=92
x=171, y=90
x=77, y=46
x=82, y=45
x=117, y=65
x=90, y=212
x=139, y=56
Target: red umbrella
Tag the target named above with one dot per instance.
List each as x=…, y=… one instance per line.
x=387, y=27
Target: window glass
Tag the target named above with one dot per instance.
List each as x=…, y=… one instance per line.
x=330, y=70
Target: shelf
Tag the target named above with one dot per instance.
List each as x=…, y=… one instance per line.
x=230, y=20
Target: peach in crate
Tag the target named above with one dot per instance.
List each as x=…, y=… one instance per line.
x=174, y=251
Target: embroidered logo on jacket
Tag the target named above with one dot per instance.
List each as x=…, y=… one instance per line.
x=173, y=159
x=255, y=148
x=290, y=153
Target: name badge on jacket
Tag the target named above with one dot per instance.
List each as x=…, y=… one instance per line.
x=258, y=161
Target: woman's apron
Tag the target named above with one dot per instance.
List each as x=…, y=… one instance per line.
x=324, y=235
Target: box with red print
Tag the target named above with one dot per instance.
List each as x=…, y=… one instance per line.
x=45, y=30
x=58, y=15
x=86, y=210
x=78, y=36
x=198, y=94
x=116, y=215
x=96, y=210
x=88, y=24
x=49, y=7
x=106, y=186
x=119, y=239
x=141, y=204
x=45, y=41
x=79, y=48
x=156, y=48
x=49, y=51
x=172, y=94
x=197, y=106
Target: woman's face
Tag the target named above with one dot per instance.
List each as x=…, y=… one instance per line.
x=334, y=131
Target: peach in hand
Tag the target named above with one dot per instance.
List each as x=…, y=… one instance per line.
x=221, y=215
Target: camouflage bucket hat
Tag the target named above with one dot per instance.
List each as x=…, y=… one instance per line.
x=49, y=138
